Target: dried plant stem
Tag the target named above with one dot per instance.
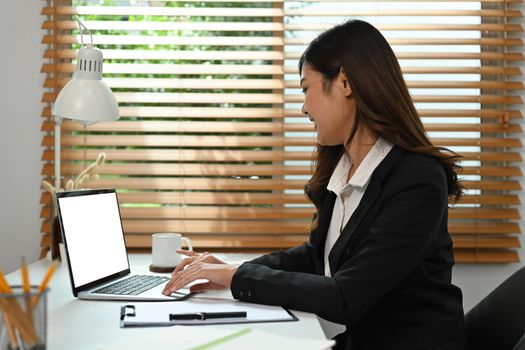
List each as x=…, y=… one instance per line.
x=85, y=175
x=50, y=189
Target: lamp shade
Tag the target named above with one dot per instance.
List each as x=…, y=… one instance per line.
x=86, y=98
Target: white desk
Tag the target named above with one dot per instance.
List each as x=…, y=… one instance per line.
x=81, y=324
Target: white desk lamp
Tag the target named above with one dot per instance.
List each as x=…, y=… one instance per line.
x=85, y=98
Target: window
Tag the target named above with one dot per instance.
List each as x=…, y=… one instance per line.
x=211, y=141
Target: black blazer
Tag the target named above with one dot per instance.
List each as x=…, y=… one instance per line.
x=391, y=265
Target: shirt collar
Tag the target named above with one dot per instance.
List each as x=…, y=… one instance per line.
x=338, y=181
x=339, y=177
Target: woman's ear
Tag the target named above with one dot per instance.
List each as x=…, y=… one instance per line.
x=343, y=81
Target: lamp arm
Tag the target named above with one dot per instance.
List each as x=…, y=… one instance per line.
x=58, y=124
x=83, y=29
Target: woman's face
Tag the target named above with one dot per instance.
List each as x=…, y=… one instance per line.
x=332, y=110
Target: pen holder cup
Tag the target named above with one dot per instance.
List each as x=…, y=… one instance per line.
x=23, y=319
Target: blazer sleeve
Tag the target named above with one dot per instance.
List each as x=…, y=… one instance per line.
x=296, y=259
x=396, y=242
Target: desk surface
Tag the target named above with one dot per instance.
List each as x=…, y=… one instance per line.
x=82, y=324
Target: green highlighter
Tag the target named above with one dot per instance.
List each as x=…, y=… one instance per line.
x=222, y=340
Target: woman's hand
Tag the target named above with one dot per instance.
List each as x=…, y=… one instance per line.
x=200, y=266
x=195, y=257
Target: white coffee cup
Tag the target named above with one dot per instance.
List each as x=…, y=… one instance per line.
x=164, y=246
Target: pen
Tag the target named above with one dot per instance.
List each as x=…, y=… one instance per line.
x=206, y=315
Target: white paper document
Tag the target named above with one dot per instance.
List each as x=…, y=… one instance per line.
x=158, y=314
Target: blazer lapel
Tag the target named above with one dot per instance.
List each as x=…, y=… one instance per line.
x=325, y=216
x=373, y=191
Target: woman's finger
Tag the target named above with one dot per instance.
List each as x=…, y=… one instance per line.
x=201, y=258
x=168, y=286
x=188, y=261
x=176, y=276
x=185, y=278
x=197, y=267
x=182, y=264
x=192, y=259
x=187, y=252
x=171, y=285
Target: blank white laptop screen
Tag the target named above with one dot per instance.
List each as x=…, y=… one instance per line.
x=94, y=236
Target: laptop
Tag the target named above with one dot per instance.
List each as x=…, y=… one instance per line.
x=96, y=250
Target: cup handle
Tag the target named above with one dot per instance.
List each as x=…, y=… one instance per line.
x=188, y=242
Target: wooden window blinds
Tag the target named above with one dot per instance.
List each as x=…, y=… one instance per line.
x=211, y=141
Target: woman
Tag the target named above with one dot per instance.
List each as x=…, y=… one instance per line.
x=379, y=257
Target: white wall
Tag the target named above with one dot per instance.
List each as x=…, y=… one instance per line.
x=476, y=281
x=20, y=108
x=20, y=136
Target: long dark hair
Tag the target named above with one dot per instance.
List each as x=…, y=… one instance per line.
x=383, y=102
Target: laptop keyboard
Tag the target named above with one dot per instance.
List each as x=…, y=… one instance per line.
x=133, y=285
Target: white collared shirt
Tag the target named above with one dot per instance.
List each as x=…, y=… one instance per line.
x=350, y=192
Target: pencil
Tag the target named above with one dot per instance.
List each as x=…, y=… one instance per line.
x=45, y=281
x=13, y=341
x=4, y=286
x=49, y=274
x=25, y=275
x=26, y=286
x=27, y=289
x=18, y=320
x=16, y=315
